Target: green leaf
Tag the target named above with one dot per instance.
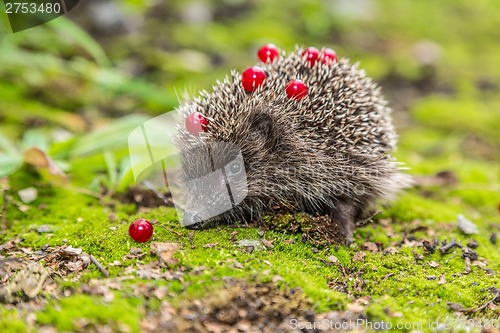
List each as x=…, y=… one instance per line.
x=95, y=184
x=62, y=150
x=9, y=164
x=115, y=135
x=119, y=83
x=112, y=171
x=22, y=109
x=70, y=29
x=35, y=138
x=126, y=176
x=107, y=78
x=8, y=147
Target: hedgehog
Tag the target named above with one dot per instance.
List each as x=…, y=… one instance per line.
x=311, y=133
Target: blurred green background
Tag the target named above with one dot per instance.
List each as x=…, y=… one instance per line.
x=436, y=61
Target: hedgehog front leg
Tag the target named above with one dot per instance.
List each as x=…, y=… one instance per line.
x=343, y=214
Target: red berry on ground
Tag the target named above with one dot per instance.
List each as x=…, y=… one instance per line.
x=296, y=89
x=252, y=78
x=311, y=54
x=140, y=230
x=329, y=56
x=196, y=123
x=268, y=53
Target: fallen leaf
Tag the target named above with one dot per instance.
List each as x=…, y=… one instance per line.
x=135, y=250
x=268, y=243
x=26, y=283
x=418, y=256
x=250, y=244
x=277, y=279
x=455, y=307
x=232, y=237
x=44, y=228
x=434, y=264
x=355, y=307
x=359, y=256
x=332, y=259
x=72, y=251
x=390, y=250
x=466, y=226
x=134, y=253
x=165, y=251
x=45, y=166
x=28, y=195
x=47, y=329
x=370, y=246
x=477, y=263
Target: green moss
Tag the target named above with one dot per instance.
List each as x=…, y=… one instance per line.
x=296, y=263
x=121, y=311
x=411, y=206
x=11, y=322
x=469, y=116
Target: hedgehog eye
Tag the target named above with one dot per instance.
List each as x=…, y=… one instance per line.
x=262, y=124
x=235, y=169
x=265, y=131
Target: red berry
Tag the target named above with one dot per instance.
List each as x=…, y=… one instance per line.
x=312, y=55
x=268, y=53
x=252, y=78
x=296, y=89
x=329, y=56
x=140, y=230
x=196, y=123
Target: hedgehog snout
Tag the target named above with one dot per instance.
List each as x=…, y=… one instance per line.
x=192, y=221
x=205, y=197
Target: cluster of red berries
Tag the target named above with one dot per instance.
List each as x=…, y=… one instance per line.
x=253, y=77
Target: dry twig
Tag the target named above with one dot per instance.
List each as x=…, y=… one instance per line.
x=99, y=266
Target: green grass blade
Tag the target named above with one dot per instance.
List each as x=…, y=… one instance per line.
x=67, y=27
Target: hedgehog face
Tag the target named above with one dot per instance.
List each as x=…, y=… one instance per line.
x=215, y=181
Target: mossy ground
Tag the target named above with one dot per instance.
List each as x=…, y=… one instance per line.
x=447, y=118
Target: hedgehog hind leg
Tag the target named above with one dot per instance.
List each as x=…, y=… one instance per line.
x=344, y=214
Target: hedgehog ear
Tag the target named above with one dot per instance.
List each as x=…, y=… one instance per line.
x=263, y=128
